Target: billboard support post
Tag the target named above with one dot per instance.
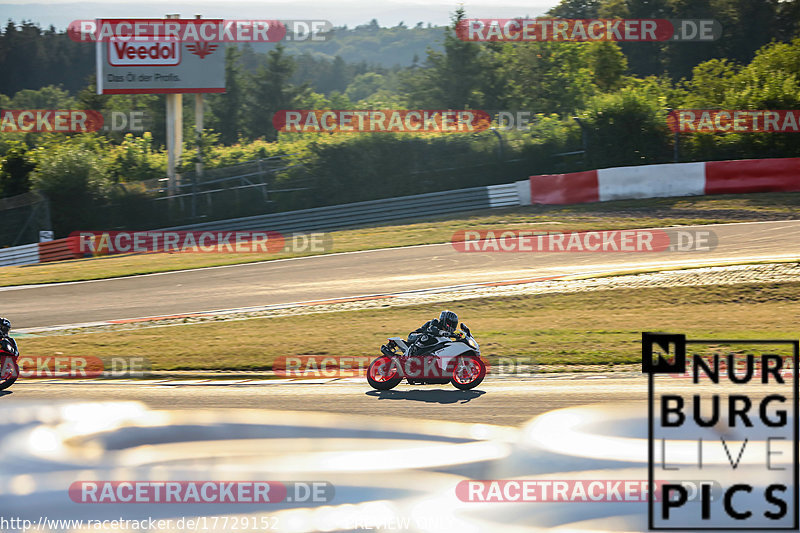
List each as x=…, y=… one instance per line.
x=174, y=134
x=198, y=166
x=198, y=129
x=174, y=140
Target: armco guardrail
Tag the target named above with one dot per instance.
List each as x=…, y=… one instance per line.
x=20, y=255
x=375, y=211
x=320, y=218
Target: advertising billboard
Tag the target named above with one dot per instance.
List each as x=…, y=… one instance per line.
x=158, y=62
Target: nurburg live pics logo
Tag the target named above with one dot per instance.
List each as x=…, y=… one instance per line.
x=737, y=420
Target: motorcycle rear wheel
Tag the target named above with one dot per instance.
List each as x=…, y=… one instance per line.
x=382, y=374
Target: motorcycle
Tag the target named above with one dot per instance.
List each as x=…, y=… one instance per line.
x=454, y=358
x=9, y=369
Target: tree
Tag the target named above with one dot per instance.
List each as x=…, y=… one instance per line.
x=226, y=108
x=89, y=99
x=627, y=127
x=337, y=79
x=49, y=97
x=364, y=86
x=576, y=9
x=15, y=169
x=548, y=77
x=451, y=79
x=72, y=176
x=607, y=63
x=708, y=84
x=271, y=92
x=787, y=20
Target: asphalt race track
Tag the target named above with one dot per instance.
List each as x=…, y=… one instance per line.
x=499, y=402
x=360, y=273
x=507, y=402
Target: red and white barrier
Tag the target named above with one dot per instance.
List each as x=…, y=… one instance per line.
x=659, y=181
x=41, y=252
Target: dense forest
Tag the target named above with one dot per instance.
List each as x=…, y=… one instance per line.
x=605, y=101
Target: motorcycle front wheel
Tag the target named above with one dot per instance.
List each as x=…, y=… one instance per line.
x=382, y=373
x=468, y=372
x=9, y=372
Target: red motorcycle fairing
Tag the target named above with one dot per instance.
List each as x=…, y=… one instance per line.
x=9, y=369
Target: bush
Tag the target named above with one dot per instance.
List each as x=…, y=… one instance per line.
x=134, y=160
x=73, y=177
x=627, y=128
x=15, y=170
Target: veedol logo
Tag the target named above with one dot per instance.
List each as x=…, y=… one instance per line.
x=165, y=52
x=202, y=49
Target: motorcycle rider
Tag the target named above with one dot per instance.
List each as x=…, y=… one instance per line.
x=5, y=327
x=425, y=335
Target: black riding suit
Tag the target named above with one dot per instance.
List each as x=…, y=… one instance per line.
x=424, y=335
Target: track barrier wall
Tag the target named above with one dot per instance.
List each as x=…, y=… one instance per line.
x=670, y=180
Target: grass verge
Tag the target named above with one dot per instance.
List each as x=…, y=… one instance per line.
x=623, y=214
x=591, y=328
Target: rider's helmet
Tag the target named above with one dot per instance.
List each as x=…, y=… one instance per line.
x=448, y=321
x=5, y=326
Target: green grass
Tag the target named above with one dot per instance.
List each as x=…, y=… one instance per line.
x=591, y=328
x=623, y=214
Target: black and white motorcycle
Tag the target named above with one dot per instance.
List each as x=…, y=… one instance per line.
x=453, y=358
x=9, y=369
